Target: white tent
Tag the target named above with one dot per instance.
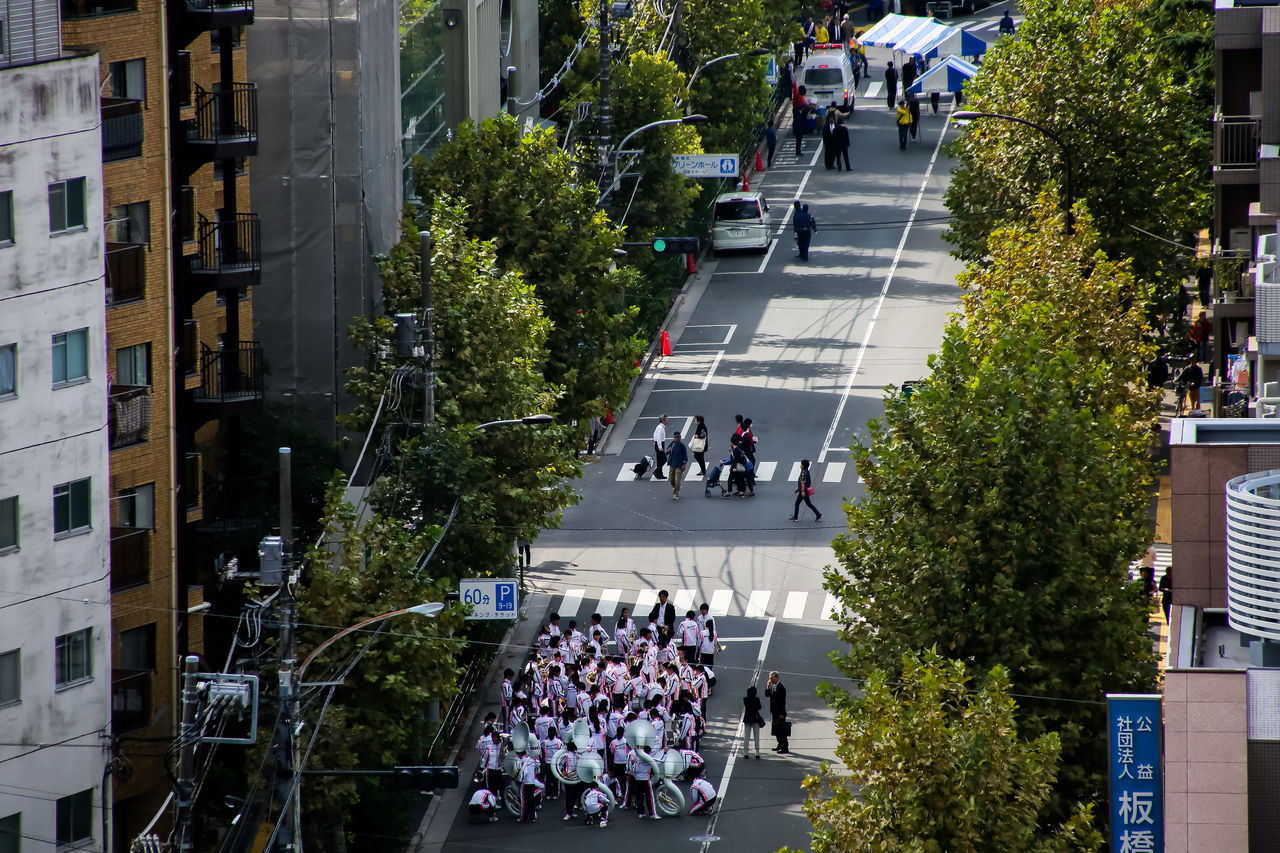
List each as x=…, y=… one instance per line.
x=942, y=40
x=947, y=76
x=904, y=27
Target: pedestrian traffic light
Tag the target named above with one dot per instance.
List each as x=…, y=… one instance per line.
x=675, y=245
x=427, y=778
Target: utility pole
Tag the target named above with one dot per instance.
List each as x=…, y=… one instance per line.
x=186, y=782
x=428, y=331
x=288, y=782
x=606, y=109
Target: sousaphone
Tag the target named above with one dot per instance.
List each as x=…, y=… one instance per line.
x=590, y=771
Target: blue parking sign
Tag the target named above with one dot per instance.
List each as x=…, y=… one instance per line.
x=506, y=598
x=490, y=598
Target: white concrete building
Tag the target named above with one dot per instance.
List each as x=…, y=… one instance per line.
x=55, y=652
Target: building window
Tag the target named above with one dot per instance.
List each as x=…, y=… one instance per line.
x=6, y=196
x=10, y=688
x=66, y=206
x=8, y=371
x=70, y=357
x=71, y=507
x=75, y=818
x=11, y=830
x=8, y=524
x=137, y=507
x=138, y=648
x=129, y=79
x=132, y=223
x=75, y=657
x=187, y=217
x=192, y=481
x=237, y=39
x=133, y=365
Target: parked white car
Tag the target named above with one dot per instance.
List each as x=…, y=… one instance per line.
x=740, y=221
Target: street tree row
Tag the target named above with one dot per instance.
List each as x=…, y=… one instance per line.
x=988, y=606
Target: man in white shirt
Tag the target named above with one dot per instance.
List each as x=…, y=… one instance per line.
x=660, y=448
x=528, y=772
x=690, y=634
x=490, y=759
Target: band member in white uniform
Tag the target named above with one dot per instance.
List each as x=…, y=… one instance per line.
x=483, y=805
x=704, y=797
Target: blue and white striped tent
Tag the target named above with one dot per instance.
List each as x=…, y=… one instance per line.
x=947, y=76
x=941, y=40
x=891, y=29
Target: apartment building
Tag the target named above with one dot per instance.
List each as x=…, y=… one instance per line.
x=55, y=618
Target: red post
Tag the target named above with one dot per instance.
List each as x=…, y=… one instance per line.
x=745, y=185
x=666, y=343
x=688, y=263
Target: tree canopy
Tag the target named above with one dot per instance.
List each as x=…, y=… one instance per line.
x=934, y=765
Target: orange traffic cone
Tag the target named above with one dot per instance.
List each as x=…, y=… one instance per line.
x=745, y=185
x=759, y=161
x=666, y=343
x=688, y=263
x=608, y=413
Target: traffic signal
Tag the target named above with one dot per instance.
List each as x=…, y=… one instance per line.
x=427, y=778
x=675, y=245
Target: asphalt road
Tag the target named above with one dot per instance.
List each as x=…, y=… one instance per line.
x=806, y=349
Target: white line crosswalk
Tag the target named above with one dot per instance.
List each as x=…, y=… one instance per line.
x=766, y=471
x=795, y=606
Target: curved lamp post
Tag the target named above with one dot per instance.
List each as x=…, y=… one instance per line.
x=688, y=90
x=432, y=608
x=612, y=157
x=1066, y=154
x=530, y=419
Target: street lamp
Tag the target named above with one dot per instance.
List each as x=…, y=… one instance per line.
x=532, y=420
x=1066, y=154
x=430, y=608
x=759, y=51
x=611, y=158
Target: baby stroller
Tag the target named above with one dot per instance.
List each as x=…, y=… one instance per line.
x=713, y=479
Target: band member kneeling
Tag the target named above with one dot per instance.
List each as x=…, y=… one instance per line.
x=704, y=797
x=484, y=804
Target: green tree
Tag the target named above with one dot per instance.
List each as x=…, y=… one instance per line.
x=732, y=94
x=1003, y=508
x=523, y=194
x=1093, y=73
x=932, y=765
x=490, y=330
x=391, y=675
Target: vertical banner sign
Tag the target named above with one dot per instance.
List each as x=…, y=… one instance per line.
x=1134, y=755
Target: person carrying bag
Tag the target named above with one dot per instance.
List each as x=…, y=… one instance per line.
x=752, y=721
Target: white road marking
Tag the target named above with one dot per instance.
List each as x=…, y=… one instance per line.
x=764, y=471
x=757, y=603
x=835, y=470
x=608, y=604
x=571, y=602
x=782, y=229
x=644, y=603
x=873, y=89
x=720, y=601
x=686, y=430
x=732, y=327
x=795, y=472
x=830, y=607
x=711, y=371
x=683, y=601
x=794, y=608
x=723, y=788
x=884, y=291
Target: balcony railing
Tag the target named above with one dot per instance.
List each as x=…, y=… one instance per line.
x=231, y=374
x=74, y=9
x=126, y=273
x=226, y=118
x=130, y=557
x=121, y=129
x=229, y=256
x=130, y=700
x=198, y=16
x=1235, y=141
x=128, y=415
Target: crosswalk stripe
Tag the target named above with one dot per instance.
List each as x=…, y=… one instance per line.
x=795, y=605
x=873, y=90
x=644, y=603
x=572, y=602
x=626, y=473
x=795, y=472
x=830, y=607
x=757, y=603
x=835, y=470
x=720, y=601
x=764, y=471
x=608, y=604
x=684, y=601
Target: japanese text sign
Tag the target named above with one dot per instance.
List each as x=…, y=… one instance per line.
x=1134, y=754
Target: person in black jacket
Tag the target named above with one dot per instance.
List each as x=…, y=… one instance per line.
x=804, y=485
x=777, y=694
x=664, y=613
x=752, y=722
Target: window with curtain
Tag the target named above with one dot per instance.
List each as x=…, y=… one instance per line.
x=8, y=370
x=74, y=653
x=70, y=357
x=66, y=205
x=133, y=365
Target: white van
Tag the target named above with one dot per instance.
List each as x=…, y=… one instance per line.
x=740, y=221
x=828, y=75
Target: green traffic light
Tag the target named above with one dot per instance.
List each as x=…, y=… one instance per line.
x=659, y=245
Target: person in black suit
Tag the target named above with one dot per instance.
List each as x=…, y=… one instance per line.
x=777, y=694
x=664, y=613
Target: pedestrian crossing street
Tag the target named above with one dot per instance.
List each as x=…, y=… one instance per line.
x=795, y=605
x=820, y=472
